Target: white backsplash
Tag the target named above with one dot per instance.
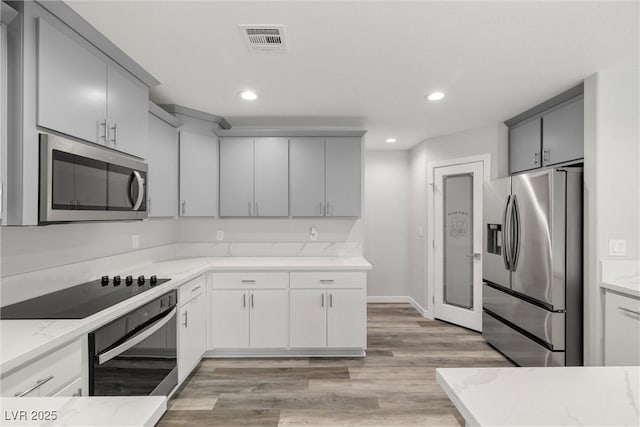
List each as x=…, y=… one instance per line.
x=340, y=249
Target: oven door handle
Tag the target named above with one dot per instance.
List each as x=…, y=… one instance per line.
x=137, y=338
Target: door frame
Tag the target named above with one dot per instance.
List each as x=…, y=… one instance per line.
x=430, y=234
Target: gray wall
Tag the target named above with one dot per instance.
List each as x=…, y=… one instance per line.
x=386, y=227
x=612, y=186
x=491, y=140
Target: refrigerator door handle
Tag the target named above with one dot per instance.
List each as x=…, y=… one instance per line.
x=506, y=248
x=516, y=234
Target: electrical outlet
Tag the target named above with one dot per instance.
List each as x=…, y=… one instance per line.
x=420, y=232
x=617, y=247
x=313, y=234
x=220, y=235
x=135, y=241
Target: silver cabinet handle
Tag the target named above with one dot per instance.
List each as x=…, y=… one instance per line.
x=184, y=207
x=627, y=310
x=256, y=208
x=536, y=159
x=330, y=300
x=103, y=125
x=326, y=280
x=251, y=300
x=195, y=289
x=321, y=210
x=250, y=210
x=140, y=182
x=114, y=137
x=322, y=304
x=35, y=386
x=244, y=300
x=186, y=319
x=546, y=155
x=248, y=281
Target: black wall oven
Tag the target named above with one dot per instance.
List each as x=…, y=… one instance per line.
x=85, y=182
x=135, y=355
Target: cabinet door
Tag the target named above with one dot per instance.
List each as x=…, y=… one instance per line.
x=525, y=146
x=198, y=175
x=308, y=314
x=127, y=109
x=236, y=177
x=621, y=330
x=229, y=319
x=72, y=86
x=563, y=133
x=269, y=318
x=306, y=176
x=162, y=178
x=191, y=335
x=343, y=171
x=271, y=173
x=347, y=318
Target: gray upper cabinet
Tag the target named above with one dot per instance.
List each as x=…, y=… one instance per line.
x=198, y=174
x=81, y=93
x=128, y=100
x=525, y=146
x=72, y=86
x=163, y=169
x=343, y=172
x=306, y=171
x=563, y=133
x=271, y=177
x=236, y=177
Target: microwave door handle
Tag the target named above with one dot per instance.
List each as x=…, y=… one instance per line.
x=140, y=182
x=136, y=339
x=516, y=234
x=505, y=234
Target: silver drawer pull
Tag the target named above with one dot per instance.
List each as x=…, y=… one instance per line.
x=33, y=387
x=195, y=289
x=247, y=281
x=326, y=280
x=626, y=310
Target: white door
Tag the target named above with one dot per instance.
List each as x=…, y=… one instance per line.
x=229, y=319
x=458, y=244
x=308, y=314
x=269, y=318
x=347, y=318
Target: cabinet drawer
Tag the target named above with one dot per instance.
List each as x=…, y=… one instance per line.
x=250, y=280
x=621, y=330
x=73, y=389
x=191, y=289
x=54, y=371
x=329, y=279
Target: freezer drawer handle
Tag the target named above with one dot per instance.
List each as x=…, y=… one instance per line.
x=35, y=386
x=626, y=310
x=137, y=338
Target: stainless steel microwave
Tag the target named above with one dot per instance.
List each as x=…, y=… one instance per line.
x=84, y=182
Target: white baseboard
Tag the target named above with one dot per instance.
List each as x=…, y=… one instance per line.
x=387, y=299
x=423, y=311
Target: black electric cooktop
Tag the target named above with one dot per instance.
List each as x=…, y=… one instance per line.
x=82, y=300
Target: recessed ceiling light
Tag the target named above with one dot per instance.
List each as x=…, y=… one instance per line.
x=390, y=140
x=248, y=95
x=435, y=96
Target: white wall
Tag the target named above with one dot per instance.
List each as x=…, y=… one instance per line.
x=491, y=140
x=612, y=186
x=386, y=228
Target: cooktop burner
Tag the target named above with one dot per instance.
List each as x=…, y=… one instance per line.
x=82, y=300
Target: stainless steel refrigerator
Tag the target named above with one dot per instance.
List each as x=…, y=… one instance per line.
x=532, y=267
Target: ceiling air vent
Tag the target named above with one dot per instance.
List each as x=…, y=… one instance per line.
x=264, y=38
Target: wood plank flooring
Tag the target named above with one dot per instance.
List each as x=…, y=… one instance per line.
x=394, y=385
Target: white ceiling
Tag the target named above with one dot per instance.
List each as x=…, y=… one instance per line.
x=370, y=64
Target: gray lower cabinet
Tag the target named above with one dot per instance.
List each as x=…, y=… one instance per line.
x=306, y=171
x=525, y=146
x=127, y=107
x=81, y=94
x=563, y=133
x=343, y=174
x=198, y=175
x=254, y=178
x=72, y=86
x=163, y=169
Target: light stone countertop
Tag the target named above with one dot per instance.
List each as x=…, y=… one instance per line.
x=130, y=411
x=562, y=396
x=22, y=341
x=622, y=276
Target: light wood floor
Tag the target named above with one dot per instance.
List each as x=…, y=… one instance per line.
x=394, y=385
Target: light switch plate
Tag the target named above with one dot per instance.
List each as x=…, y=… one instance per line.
x=420, y=232
x=220, y=235
x=617, y=247
x=313, y=234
